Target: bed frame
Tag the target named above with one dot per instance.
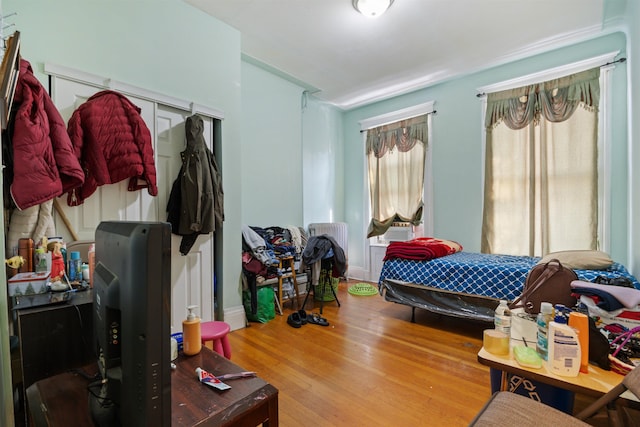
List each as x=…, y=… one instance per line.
x=439, y=301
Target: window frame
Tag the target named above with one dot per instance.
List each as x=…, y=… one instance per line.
x=392, y=117
x=604, y=128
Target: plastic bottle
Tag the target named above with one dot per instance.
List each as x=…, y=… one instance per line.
x=91, y=254
x=75, y=266
x=580, y=322
x=544, y=317
x=502, y=318
x=564, y=347
x=191, y=333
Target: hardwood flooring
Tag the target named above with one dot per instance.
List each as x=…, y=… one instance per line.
x=370, y=367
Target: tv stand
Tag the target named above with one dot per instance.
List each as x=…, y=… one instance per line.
x=63, y=400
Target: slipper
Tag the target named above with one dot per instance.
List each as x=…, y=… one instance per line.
x=303, y=317
x=294, y=320
x=316, y=319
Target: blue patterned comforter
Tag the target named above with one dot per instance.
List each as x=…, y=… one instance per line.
x=494, y=276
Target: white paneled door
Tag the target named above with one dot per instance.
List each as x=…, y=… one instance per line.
x=191, y=275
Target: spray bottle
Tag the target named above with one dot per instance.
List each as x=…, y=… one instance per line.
x=191, y=333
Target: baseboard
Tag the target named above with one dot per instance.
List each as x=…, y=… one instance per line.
x=235, y=317
x=358, y=273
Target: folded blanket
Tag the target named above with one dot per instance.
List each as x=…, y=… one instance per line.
x=628, y=297
x=421, y=249
x=603, y=299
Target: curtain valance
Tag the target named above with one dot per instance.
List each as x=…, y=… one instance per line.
x=403, y=135
x=555, y=99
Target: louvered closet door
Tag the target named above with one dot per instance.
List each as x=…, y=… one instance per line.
x=192, y=275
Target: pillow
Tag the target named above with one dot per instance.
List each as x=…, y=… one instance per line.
x=580, y=259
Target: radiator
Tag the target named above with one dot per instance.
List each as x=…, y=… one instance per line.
x=337, y=230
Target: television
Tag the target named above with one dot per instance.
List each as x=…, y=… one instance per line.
x=132, y=316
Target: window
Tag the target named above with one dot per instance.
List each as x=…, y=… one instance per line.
x=396, y=157
x=541, y=171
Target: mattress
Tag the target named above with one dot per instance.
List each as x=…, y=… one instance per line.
x=486, y=275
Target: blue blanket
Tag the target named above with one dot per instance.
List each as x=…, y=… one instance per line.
x=494, y=276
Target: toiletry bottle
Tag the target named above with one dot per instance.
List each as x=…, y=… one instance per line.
x=544, y=317
x=92, y=262
x=75, y=266
x=564, y=347
x=580, y=322
x=502, y=318
x=191, y=333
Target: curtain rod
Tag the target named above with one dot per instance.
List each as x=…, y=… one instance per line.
x=620, y=61
x=434, y=112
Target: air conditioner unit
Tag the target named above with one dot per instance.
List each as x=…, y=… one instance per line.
x=399, y=234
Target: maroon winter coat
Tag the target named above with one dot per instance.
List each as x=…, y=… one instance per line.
x=112, y=143
x=44, y=165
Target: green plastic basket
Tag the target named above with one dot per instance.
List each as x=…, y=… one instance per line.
x=328, y=295
x=363, y=289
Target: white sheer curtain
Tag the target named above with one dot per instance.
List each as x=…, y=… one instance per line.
x=396, y=159
x=541, y=192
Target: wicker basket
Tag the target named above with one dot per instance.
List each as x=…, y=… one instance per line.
x=619, y=342
x=618, y=366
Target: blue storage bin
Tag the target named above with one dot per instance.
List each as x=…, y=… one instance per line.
x=549, y=395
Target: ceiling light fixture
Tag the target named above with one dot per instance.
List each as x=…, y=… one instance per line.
x=371, y=8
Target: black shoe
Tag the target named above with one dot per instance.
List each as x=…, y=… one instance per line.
x=316, y=319
x=294, y=320
x=303, y=316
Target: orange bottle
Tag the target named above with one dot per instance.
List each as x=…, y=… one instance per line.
x=580, y=322
x=92, y=262
x=191, y=333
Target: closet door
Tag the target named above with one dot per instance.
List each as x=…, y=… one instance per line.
x=191, y=275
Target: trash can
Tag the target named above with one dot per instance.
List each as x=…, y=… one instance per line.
x=556, y=397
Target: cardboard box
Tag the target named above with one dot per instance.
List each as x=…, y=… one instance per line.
x=28, y=284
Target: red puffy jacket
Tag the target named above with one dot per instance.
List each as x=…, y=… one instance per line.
x=44, y=165
x=112, y=143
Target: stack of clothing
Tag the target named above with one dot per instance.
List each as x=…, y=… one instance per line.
x=611, y=301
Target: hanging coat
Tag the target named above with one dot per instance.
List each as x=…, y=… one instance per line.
x=195, y=203
x=43, y=164
x=112, y=143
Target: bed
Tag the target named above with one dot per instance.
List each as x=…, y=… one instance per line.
x=465, y=284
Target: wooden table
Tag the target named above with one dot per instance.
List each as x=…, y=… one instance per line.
x=595, y=383
x=62, y=400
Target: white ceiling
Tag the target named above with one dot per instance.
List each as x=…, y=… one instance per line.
x=349, y=60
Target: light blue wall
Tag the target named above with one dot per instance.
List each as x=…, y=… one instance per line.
x=272, y=149
x=165, y=46
x=633, y=17
x=323, y=162
x=457, y=148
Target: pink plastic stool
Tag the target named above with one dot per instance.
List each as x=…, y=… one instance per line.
x=216, y=332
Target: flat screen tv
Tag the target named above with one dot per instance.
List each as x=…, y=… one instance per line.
x=132, y=316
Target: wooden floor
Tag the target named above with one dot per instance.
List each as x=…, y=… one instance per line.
x=370, y=367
